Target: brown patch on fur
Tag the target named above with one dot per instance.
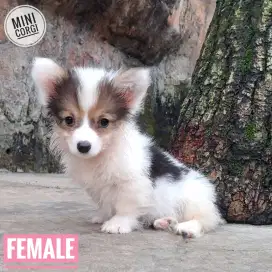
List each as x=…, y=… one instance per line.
x=64, y=101
x=111, y=104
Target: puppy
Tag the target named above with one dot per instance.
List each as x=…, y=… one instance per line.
x=132, y=181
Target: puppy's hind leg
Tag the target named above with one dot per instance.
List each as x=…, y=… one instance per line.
x=188, y=229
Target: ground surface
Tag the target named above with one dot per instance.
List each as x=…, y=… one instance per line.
x=52, y=204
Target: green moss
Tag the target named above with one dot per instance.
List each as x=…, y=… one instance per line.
x=250, y=131
x=149, y=123
x=236, y=168
x=147, y=118
x=247, y=31
x=247, y=61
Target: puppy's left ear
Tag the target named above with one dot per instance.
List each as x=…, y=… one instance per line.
x=132, y=85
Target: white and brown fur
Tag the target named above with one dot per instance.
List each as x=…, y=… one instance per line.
x=132, y=181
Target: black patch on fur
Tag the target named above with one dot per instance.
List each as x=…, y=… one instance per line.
x=161, y=165
x=64, y=90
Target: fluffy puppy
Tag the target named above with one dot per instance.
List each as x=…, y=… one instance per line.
x=132, y=181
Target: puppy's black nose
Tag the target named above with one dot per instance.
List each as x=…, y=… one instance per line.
x=83, y=146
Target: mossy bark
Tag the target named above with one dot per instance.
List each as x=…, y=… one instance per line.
x=225, y=124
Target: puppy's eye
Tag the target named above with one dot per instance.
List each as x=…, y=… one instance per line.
x=69, y=120
x=104, y=122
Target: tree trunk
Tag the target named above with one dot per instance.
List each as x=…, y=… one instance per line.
x=225, y=123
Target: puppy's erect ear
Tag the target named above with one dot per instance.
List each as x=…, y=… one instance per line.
x=46, y=74
x=132, y=85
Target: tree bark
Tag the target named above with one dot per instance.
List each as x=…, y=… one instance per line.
x=225, y=124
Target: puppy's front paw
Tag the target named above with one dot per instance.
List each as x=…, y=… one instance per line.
x=119, y=224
